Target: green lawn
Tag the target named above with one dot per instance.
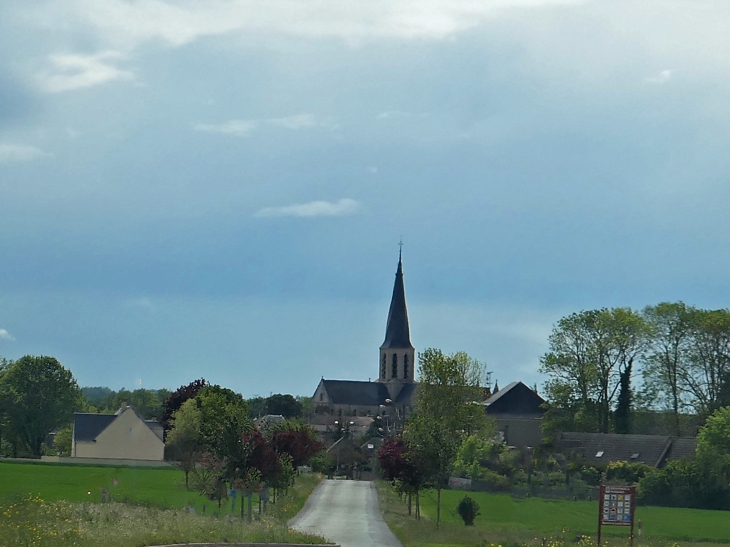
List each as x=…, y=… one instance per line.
x=161, y=487
x=507, y=520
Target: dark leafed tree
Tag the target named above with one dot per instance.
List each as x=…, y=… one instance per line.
x=295, y=439
x=286, y=405
x=176, y=400
x=400, y=465
x=38, y=395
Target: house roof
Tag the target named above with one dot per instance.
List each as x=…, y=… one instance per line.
x=87, y=426
x=397, y=332
x=352, y=392
x=682, y=447
x=608, y=447
x=516, y=399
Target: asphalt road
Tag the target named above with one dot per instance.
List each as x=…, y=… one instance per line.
x=346, y=512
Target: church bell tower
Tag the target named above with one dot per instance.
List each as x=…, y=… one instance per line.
x=397, y=354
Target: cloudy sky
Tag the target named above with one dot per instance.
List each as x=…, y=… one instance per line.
x=218, y=188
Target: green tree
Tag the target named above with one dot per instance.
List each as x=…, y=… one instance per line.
x=445, y=412
x=667, y=359
x=184, y=441
x=473, y=455
x=39, y=395
x=707, y=379
x=286, y=405
x=588, y=353
x=63, y=440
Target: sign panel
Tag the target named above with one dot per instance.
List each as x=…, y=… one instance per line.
x=616, y=505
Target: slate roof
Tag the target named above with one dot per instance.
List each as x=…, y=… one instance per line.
x=88, y=426
x=353, y=392
x=406, y=394
x=649, y=449
x=397, y=332
x=682, y=447
x=516, y=399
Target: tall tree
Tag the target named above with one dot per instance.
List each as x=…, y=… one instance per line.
x=445, y=411
x=176, y=400
x=667, y=359
x=38, y=396
x=184, y=441
x=286, y=405
x=588, y=353
x=707, y=379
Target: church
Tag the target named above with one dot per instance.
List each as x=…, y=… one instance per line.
x=391, y=394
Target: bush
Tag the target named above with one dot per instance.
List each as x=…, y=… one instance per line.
x=683, y=483
x=492, y=482
x=468, y=510
x=591, y=475
x=627, y=473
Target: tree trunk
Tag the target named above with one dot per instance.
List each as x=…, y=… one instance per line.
x=438, y=507
x=418, y=505
x=243, y=504
x=409, y=503
x=187, y=472
x=250, y=509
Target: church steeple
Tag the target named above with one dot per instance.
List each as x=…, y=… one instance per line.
x=397, y=354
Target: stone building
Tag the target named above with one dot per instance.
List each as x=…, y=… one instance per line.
x=390, y=395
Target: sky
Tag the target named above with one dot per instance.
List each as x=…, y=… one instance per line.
x=217, y=189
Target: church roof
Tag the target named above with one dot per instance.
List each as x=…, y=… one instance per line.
x=397, y=333
x=352, y=392
x=515, y=398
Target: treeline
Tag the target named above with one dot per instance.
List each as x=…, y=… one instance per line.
x=604, y=364
x=149, y=402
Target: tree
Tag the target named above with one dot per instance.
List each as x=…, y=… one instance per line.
x=588, y=353
x=473, y=455
x=297, y=440
x=184, y=441
x=176, y=400
x=445, y=412
x=707, y=379
x=400, y=466
x=39, y=395
x=666, y=363
x=63, y=440
x=286, y=405
x=256, y=407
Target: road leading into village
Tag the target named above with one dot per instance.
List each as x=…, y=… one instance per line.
x=346, y=512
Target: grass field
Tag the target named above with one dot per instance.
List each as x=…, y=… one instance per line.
x=507, y=520
x=162, y=487
x=35, y=522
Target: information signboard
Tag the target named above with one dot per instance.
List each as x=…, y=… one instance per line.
x=616, y=506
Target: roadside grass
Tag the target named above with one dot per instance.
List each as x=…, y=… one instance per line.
x=534, y=521
x=34, y=522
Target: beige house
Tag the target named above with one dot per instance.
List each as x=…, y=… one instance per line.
x=121, y=436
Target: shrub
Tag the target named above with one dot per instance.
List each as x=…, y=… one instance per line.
x=683, y=483
x=468, y=510
x=625, y=472
x=591, y=475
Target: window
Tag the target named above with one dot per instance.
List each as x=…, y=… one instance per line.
x=405, y=366
x=382, y=367
x=635, y=456
x=599, y=454
x=395, y=366
x=321, y=396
